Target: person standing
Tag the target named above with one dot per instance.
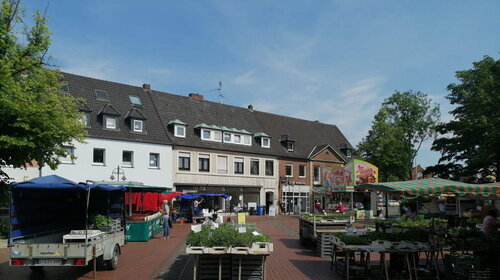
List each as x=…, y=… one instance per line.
x=165, y=210
x=442, y=210
x=490, y=224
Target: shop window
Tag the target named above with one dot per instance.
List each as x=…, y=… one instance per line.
x=238, y=165
x=204, y=163
x=185, y=161
x=254, y=166
x=269, y=168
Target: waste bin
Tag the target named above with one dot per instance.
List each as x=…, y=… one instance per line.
x=261, y=210
x=252, y=211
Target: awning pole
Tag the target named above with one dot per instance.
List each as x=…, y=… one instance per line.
x=386, y=205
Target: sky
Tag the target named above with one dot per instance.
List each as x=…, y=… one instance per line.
x=326, y=60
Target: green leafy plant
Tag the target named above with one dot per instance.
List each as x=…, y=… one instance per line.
x=98, y=220
x=4, y=230
x=225, y=236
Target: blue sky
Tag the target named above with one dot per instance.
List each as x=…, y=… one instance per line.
x=332, y=61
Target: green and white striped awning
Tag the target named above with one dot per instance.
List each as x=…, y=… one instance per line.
x=434, y=186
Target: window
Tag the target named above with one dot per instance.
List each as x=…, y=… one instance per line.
x=302, y=171
x=221, y=164
x=289, y=170
x=265, y=143
x=184, y=161
x=137, y=125
x=227, y=137
x=127, y=158
x=70, y=151
x=289, y=146
x=99, y=156
x=254, y=166
x=206, y=134
x=217, y=136
x=238, y=165
x=110, y=122
x=247, y=139
x=236, y=138
x=269, y=168
x=135, y=100
x=86, y=119
x=65, y=88
x=204, y=163
x=317, y=175
x=179, y=131
x=154, y=160
x=101, y=94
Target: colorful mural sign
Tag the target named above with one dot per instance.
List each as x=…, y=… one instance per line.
x=355, y=172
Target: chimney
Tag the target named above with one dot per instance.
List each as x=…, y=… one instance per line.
x=250, y=107
x=146, y=86
x=196, y=96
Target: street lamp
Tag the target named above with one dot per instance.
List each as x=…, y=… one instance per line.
x=118, y=171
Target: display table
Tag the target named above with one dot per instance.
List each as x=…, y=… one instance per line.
x=142, y=227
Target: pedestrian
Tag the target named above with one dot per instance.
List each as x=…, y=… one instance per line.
x=442, y=210
x=490, y=224
x=165, y=210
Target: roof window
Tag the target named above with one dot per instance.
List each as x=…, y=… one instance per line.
x=101, y=94
x=65, y=88
x=135, y=100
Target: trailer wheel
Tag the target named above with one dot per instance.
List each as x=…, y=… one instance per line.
x=36, y=268
x=113, y=262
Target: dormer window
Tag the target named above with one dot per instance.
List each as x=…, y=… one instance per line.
x=179, y=130
x=265, y=142
x=138, y=125
x=65, y=88
x=290, y=146
x=110, y=122
x=86, y=119
x=206, y=134
x=287, y=141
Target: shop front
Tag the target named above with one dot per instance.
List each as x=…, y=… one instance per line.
x=239, y=196
x=296, y=198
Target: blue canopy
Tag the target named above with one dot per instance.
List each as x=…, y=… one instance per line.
x=201, y=195
x=57, y=182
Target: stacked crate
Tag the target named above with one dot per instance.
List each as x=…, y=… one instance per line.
x=324, y=246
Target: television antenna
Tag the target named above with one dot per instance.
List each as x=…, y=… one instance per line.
x=220, y=92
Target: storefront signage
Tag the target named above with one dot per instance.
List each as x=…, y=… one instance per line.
x=355, y=172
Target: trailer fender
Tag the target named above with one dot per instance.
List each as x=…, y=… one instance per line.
x=108, y=250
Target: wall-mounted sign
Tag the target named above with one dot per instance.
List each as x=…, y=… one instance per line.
x=355, y=172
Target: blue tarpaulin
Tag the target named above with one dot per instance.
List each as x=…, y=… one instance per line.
x=57, y=182
x=201, y=195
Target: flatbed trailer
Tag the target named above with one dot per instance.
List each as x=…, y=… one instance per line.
x=49, y=224
x=310, y=228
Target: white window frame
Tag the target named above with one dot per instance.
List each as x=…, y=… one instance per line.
x=184, y=155
x=134, y=121
x=305, y=171
x=217, y=134
x=103, y=163
x=183, y=128
x=221, y=171
x=203, y=134
x=291, y=169
x=292, y=147
x=317, y=182
x=227, y=134
x=106, y=118
x=239, y=160
x=237, y=136
x=268, y=142
x=157, y=166
x=203, y=156
x=131, y=163
x=68, y=159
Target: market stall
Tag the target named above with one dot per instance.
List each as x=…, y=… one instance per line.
x=197, y=206
x=143, y=204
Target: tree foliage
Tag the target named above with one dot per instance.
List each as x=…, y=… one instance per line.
x=36, y=117
x=470, y=143
x=403, y=123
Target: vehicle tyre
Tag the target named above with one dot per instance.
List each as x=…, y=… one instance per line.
x=113, y=262
x=36, y=268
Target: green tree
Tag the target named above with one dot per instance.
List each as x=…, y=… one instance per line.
x=36, y=117
x=470, y=143
x=403, y=123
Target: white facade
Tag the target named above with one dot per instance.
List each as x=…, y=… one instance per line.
x=21, y=174
x=225, y=177
x=84, y=168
